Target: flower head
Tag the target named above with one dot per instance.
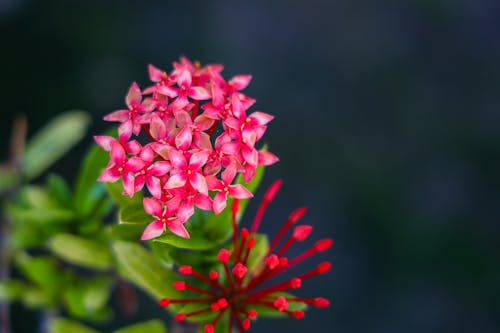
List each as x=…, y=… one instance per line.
x=185, y=159
x=242, y=289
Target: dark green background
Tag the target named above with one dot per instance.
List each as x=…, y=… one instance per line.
x=387, y=126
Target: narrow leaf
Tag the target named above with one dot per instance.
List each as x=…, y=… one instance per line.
x=53, y=141
x=81, y=251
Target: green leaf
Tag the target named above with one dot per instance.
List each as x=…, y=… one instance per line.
x=151, y=326
x=63, y=325
x=87, y=298
x=88, y=191
x=37, y=298
x=139, y=266
x=59, y=190
x=11, y=290
x=42, y=271
x=115, y=190
x=128, y=231
x=81, y=251
x=53, y=141
x=134, y=214
x=41, y=216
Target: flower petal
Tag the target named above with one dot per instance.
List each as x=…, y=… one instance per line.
x=153, y=207
x=178, y=229
x=184, y=139
x=177, y=159
x=155, y=74
x=198, y=93
x=198, y=182
x=219, y=202
x=175, y=181
x=203, y=201
x=134, y=95
x=260, y=118
x=153, y=230
x=240, y=82
x=199, y=159
x=118, y=116
x=239, y=191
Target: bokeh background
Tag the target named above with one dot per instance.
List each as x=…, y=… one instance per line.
x=387, y=125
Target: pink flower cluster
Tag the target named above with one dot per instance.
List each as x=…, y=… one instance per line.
x=194, y=150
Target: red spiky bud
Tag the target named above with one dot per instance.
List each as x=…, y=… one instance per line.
x=298, y=314
x=301, y=232
x=251, y=243
x=186, y=270
x=272, y=261
x=297, y=215
x=246, y=324
x=272, y=191
x=239, y=270
x=180, y=317
x=252, y=314
x=283, y=261
x=280, y=303
x=295, y=283
x=323, y=267
x=164, y=302
x=209, y=328
x=213, y=275
x=244, y=233
x=224, y=256
x=321, y=302
x=180, y=285
x=323, y=244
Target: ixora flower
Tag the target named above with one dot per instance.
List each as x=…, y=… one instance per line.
x=184, y=163
x=240, y=291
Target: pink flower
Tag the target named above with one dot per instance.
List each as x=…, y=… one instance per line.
x=128, y=118
x=165, y=218
x=196, y=125
x=188, y=172
x=225, y=189
x=244, y=289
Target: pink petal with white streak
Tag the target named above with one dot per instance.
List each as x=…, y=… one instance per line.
x=154, y=186
x=261, y=118
x=250, y=155
x=152, y=207
x=213, y=183
x=199, y=93
x=118, y=116
x=229, y=173
x=160, y=168
x=203, y=201
x=134, y=94
x=155, y=74
x=117, y=153
x=178, y=229
x=238, y=191
x=104, y=141
x=184, y=78
x=199, y=159
x=198, y=182
x=175, y=181
x=267, y=158
x=128, y=184
x=153, y=230
x=184, y=138
x=177, y=159
x=125, y=130
x=219, y=202
x=240, y=82
x=157, y=129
